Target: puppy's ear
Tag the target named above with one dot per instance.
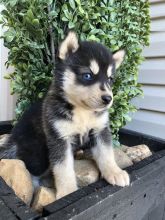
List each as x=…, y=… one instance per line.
x=118, y=57
x=69, y=45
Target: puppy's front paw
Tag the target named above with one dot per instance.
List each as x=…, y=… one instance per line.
x=118, y=177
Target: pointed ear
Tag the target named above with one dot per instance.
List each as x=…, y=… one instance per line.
x=69, y=45
x=118, y=57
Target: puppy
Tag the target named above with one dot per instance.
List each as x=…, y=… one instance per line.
x=72, y=116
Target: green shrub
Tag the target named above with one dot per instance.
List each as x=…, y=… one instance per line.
x=35, y=28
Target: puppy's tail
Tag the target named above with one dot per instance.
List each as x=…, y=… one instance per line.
x=7, y=148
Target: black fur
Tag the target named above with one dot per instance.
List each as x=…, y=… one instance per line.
x=30, y=140
x=79, y=62
x=39, y=145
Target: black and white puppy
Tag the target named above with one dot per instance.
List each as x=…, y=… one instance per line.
x=72, y=116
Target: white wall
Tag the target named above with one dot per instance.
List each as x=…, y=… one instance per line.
x=150, y=118
x=7, y=102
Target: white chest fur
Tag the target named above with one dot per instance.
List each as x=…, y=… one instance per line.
x=82, y=122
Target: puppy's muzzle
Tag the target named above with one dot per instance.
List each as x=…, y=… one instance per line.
x=106, y=99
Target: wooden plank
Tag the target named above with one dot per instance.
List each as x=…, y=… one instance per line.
x=152, y=71
x=148, y=122
x=157, y=10
x=155, y=49
x=69, y=199
x=157, y=211
x=5, y=127
x=157, y=37
x=154, y=98
x=158, y=25
x=5, y=212
x=152, y=77
x=132, y=138
x=16, y=205
x=120, y=203
x=156, y=1
x=153, y=63
x=157, y=43
x=164, y=213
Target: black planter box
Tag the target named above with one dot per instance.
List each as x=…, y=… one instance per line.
x=144, y=199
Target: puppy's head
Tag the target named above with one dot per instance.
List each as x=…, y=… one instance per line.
x=87, y=72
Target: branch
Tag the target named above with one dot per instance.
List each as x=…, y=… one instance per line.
x=51, y=41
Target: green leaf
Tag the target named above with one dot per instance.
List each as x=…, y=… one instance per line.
x=5, y=13
x=94, y=31
x=30, y=14
x=53, y=14
x=127, y=117
x=64, y=19
x=93, y=38
x=68, y=14
x=30, y=29
x=71, y=25
x=7, y=76
x=35, y=22
x=9, y=38
x=72, y=4
x=78, y=2
x=13, y=2
x=1, y=21
x=81, y=10
x=40, y=95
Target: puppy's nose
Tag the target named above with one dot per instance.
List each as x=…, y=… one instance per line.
x=106, y=99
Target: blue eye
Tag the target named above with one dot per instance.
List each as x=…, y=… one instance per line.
x=87, y=76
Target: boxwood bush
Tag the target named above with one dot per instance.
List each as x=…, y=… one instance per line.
x=35, y=28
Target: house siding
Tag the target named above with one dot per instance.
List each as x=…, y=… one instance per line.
x=7, y=102
x=150, y=118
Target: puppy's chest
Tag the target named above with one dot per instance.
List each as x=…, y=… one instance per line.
x=82, y=122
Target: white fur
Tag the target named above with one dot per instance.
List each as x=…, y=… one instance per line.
x=109, y=71
x=70, y=43
x=109, y=91
x=65, y=179
x=83, y=120
x=105, y=160
x=118, y=57
x=94, y=66
x=90, y=95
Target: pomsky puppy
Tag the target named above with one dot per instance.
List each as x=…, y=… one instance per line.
x=72, y=116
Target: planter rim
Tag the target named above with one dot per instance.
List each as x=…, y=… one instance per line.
x=90, y=199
